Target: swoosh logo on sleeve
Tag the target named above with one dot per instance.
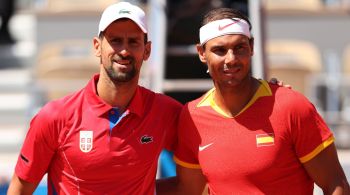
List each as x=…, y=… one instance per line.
x=201, y=148
x=227, y=25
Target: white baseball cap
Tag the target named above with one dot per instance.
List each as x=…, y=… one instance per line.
x=122, y=10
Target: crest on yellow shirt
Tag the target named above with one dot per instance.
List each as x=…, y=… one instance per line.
x=86, y=141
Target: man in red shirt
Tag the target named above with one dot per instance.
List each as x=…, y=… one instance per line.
x=105, y=138
x=245, y=136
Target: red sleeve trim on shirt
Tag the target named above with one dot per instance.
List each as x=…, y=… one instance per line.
x=185, y=164
x=317, y=150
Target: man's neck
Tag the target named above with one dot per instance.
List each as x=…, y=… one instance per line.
x=116, y=94
x=233, y=100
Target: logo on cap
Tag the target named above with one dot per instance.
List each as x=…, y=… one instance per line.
x=124, y=11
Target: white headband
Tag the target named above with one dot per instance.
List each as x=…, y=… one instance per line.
x=223, y=27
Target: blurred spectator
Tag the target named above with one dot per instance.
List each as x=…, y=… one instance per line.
x=4, y=182
x=7, y=8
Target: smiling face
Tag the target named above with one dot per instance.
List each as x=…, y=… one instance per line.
x=122, y=50
x=228, y=58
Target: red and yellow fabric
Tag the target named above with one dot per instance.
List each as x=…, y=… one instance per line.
x=258, y=151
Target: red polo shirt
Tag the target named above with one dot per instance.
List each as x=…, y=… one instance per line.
x=71, y=140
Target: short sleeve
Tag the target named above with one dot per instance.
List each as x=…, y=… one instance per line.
x=186, y=153
x=38, y=148
x=310, y=133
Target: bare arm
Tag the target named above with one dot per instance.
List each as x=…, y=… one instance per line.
x=19, y=186
x=187, y=181
x=327, y=172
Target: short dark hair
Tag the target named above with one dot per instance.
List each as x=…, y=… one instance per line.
x=224, y=13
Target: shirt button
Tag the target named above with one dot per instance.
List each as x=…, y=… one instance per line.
x=112, y=112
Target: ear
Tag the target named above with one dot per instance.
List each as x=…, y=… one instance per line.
x=201, y=53
x=251, y=43
x=97, y=46
x=147, y=51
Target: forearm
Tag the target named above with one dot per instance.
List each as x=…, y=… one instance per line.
x=339, y=189
x=187, y=181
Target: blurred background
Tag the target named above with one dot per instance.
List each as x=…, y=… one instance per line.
x=46, y=53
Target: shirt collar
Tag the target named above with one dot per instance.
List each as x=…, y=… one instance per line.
x=100, y=107
x=136, y=105
x=208, y=99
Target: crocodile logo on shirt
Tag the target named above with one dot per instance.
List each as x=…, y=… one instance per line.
x=146, y=139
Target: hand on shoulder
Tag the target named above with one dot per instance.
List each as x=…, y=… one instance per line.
x=275, y=81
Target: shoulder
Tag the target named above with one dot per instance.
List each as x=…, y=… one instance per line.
x=194, y=109
x=202, y=102
x=289, y=99
x=168, y=100
x=161, y=100
x=60, y=108
x=285, y=94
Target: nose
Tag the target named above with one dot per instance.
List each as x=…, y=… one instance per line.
x=124, y=52
x=123, y=48
x=230, y=57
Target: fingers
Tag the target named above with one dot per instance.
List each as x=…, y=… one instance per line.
x=275, y=81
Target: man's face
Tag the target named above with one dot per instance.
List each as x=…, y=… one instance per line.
x=228, y=58
x=122, y=50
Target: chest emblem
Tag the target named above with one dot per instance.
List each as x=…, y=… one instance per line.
x=201, y=148
x=86, y=141
x=267, y=139
x=145, y=139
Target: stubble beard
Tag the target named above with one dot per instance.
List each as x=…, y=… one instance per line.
x=118, y=76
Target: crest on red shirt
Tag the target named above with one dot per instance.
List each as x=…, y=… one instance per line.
x=267, y=139
x=86, y=141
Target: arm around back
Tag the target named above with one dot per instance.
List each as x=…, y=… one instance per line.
x=187, y=181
